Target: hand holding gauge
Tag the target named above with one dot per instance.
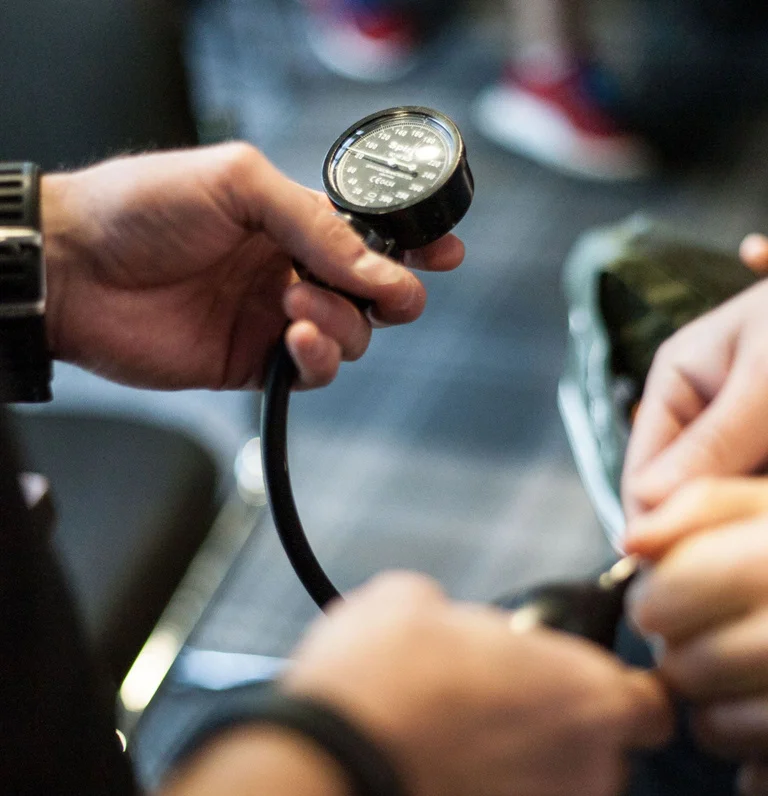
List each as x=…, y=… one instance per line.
x=400, y=177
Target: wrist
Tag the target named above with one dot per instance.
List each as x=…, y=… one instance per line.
x=260, y=761
x=59, y=233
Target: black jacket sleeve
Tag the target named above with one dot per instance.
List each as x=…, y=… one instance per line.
x=57, y=729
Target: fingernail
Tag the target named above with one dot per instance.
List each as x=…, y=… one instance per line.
x=378, y=271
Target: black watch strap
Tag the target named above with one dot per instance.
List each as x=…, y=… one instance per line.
x=25, y=363
x=367, y=767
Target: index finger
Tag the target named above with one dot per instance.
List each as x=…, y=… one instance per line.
x=301, y=222
x=703, y=581
x=687, y=372
x=700, y=505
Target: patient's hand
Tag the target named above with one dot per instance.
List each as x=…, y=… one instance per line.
x=707, y=599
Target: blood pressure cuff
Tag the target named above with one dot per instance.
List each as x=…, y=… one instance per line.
x=628, y=287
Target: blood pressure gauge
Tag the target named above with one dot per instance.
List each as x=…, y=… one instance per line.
x=401, y=179
x=403, y=172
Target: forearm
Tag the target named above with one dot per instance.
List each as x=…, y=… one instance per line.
x=260, y=761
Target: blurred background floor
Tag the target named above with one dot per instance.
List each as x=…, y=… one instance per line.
x=442, y=449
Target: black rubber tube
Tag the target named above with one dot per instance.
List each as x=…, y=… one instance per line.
x=280, y=377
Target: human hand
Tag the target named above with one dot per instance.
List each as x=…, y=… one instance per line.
x=174, y=270
x=463, y=705
x=706, y=601
x=703, y=407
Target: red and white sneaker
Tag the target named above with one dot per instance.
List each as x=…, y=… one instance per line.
x=360, y=43
x=560, y=124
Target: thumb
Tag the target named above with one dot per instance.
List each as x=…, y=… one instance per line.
x=729, y=437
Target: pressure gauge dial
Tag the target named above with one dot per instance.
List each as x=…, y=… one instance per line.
x=404, y=172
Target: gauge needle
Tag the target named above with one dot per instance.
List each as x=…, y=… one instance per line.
x=387, y=161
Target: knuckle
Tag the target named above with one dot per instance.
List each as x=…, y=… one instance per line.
x=297, y=300
x=674, y=356
x=338, y=236
x=235, y=156
x=668, y=353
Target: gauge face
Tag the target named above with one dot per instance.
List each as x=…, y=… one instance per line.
x=393, y=161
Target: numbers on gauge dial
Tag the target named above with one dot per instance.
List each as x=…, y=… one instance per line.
x=394, y=164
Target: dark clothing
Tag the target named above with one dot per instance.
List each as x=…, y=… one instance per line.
x=57, y=723
x=680, y=769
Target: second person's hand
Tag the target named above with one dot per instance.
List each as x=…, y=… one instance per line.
x=465, y=706
x=706, y=601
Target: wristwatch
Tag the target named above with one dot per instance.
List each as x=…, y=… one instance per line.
x=25, y=362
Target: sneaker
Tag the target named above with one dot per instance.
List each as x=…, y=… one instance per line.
x=362, y=44
x=560, y=124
